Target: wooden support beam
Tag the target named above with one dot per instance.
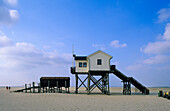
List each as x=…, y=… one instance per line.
x=25, y=88
x=82, y=83
x=39, y=87
x=108, y=93
x=33, y=86
x=65, y=86
x=126, y=88
x=46, y=89
x=43, y=89
x=57, y=87
x=30, y=88
x=68, y=90
x=48, y=86
x=88, y=83
x=95, y=83
x=76, y=76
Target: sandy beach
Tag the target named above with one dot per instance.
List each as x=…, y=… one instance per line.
x=83, y=102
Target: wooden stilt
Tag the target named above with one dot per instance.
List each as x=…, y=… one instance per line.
x=33, y=86
x=76, y=76
x=46, y=89
x=102, y=83
x=57, y=86
x=43, y=89
x=88, y=83
x=65, y=86
x=68, y=90
x=108, y=84
x=39, y=87
x=48, y=86
x=126, y=88
x=30, y=88
x=25, y=88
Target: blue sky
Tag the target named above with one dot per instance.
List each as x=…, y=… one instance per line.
x=36, y=38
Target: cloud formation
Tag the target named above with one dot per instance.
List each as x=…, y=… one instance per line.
x=116, y=44
x=22, y=62
x=8, y=16
x=166, y=35
x=159, y=47
x=164, y=14
x=24, y=55
x=11, y=2
x=158, y=51
x=158, y=59
x=5, y=41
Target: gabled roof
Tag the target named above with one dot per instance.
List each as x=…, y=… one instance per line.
x=99, y=51
x=81, y=58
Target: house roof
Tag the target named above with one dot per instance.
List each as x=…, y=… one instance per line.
x=81, y=58
x=99, y=51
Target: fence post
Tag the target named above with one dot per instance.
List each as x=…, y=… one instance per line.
x=39, y=87
x=48, y=86
x=57, y=86
x=65, y=86
x=25, y=88
x=30, y=88
x=33, y=86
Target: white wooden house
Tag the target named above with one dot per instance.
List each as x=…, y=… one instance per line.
x=98, y=64
x=97, y=61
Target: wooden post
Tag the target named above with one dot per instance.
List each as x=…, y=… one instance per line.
x=88, y=83
x=57, y=87
x=60, y=89
x=102, y=84
x=43, y=89
x=65, y=86
x=46, y=89
x=53, y=89
x=30, y=88
x=48, y=86
x=68, y=90
x=25, y=88
x=33, y=86
x=108, y=84
x=39, y=87
x=76, y=83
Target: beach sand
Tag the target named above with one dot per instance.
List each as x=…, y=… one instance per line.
x=83, y=102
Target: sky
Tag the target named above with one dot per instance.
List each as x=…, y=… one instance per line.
x=36, y=38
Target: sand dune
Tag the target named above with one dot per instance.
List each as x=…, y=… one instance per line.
x=83, y=102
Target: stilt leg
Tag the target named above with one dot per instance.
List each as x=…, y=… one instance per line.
x=76, y=83
x=88, y=83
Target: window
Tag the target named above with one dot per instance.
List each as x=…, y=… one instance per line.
x=84, y=64
x=99, y=61
x=80, y=64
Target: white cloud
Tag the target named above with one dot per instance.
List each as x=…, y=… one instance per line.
x=4, y=41
x=14, y=14
x=8, y=16
x=166, y=34
x=157, y=47
x=157, y=59
x=25, y=55
x=99, y=46
x=116, y=44
x=11, y=2
x=164, y=14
